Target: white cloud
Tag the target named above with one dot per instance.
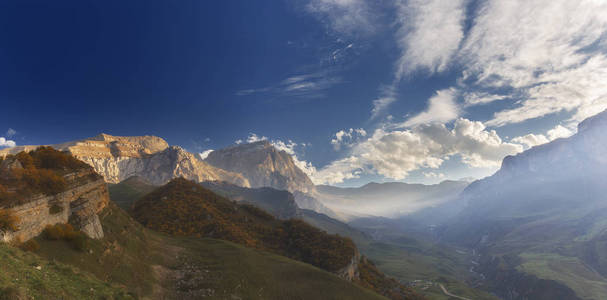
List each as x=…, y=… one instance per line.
x=301, y=85
x=441, y=109
x=478, y=98
x=289, y=148
x=6, y=143
x=394, y=154
x=429, y=35
x=204, y=154
x=559, y=132
x=347, y=17
x=347, y=137
x=532, y=140
x=252, y=138
x=546, y=50
x=387, y=97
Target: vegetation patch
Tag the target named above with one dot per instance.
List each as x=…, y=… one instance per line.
x=37, y=172
x=66, y=232
x=8, y=221
x=185, y=208
x=570, y=271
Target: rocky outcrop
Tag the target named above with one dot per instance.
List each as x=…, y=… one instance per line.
x=263, y=166
x=118, y=158
x=85, y=196
x=351, y=271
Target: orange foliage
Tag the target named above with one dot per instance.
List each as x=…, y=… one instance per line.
x=8, y=221
x=185, y=208
x=42, y=172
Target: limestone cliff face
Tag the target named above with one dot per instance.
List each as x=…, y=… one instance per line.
x=85, y=196
x=351, y=271
x=149, y=157
x=263, y=166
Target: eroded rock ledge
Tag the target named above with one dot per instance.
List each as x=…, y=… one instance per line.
x=85, y=197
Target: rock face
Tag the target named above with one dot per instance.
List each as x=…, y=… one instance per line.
x=351, y=271
x=118, y=158
x=262, y=165
x=85, y=197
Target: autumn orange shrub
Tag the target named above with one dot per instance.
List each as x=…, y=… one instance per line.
x=8, y=221
x=183, y=207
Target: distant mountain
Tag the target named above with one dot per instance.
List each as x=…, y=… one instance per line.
x=542, y=215
x=263, y=166
x=392, y=199
x=151, y=158
x=279, y=203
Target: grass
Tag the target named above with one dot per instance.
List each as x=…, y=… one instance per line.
x=584, y=281
x=237, y=272
x=125, y=193
x=29, y=275
x=151, y=265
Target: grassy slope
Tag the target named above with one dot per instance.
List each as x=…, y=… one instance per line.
x=154, y=265
x=54, y=280
x=126, y=192
x=570, y=271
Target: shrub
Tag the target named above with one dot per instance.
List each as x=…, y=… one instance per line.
x=66, y=232
x=12, y=293
x=30, y=246
x=8, y=221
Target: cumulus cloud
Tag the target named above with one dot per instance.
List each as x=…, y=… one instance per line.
x=430, y=34
x=347, y=137
x=289, y=148
x=204, y=154
x=394, y=154
x=441, y=109
x=532, y=140
x=6, y=143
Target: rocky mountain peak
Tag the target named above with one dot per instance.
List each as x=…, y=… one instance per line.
x=263, y=165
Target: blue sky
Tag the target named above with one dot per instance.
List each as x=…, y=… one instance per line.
x=417, y=91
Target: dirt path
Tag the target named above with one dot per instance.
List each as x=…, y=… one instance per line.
x=442, y=287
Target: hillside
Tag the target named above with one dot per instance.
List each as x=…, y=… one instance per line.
x=184, y=208
x=541, y=217
x=126, y=192
x=117, y=158
x=150, y=265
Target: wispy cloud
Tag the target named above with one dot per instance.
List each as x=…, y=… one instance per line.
x=429, y=34
x=300, y=85
x=442, y=108
x=349, y=17
x=10, y=133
